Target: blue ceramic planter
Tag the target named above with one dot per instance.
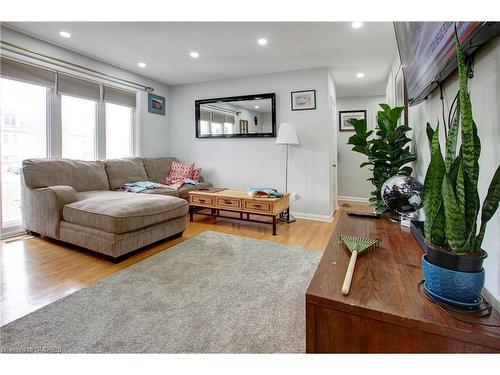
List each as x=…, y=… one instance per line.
x=463, y=287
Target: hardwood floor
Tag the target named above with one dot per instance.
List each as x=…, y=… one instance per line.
x=38, y=271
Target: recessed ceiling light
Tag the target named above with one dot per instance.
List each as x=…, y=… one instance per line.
x=256, y=106
x=65, y=34
x=357, y=24
x=360, y=75
x=141, y=64
x=262, y=41
x=194, y=54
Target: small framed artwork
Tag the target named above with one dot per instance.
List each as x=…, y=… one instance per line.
x=156, y=104
x=345, y=118
x=303, y=100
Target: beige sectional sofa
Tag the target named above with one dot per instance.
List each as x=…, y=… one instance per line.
x=79, y=202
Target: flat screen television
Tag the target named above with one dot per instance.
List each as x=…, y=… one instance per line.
x=427, y=51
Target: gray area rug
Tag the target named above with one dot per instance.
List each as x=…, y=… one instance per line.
x=214, y=293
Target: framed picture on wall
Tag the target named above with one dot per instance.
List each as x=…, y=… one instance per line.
x=156, y=104
x=303, y=100
x=345, y=118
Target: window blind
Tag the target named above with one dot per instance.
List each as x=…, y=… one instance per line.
x=27, y=73
x=118, y=96
x=218, y=117
x=229, y=119
x=205, y=115
x=81, y=88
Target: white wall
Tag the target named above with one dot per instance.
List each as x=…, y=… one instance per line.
x=351, y=178
x=485, y=97
x=154, y=133
x=259, y=161
x=332, y=116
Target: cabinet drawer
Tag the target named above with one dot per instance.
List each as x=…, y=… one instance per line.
x=258, y=206
x=228, y=202
x=201, y=199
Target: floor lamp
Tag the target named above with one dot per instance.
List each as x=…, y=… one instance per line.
x=287, y=136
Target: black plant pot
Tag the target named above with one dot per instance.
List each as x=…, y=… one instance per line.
x=442, y=258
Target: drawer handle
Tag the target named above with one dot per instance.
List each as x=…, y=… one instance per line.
x=257, y=205
x=228, y=202
x=201, y=200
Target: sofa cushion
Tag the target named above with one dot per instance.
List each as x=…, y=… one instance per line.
x=79, y=174
x=121, y=212
x=121, y=171
x=157, y=169
x=185, y=189
x=165, y=191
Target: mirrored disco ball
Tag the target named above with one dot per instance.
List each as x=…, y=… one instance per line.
x=402, y=194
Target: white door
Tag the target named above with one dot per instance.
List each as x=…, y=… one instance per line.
x=333, y=153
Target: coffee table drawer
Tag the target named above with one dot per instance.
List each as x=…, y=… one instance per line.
x=201, y=199
x=229, y=202
x=257, y=206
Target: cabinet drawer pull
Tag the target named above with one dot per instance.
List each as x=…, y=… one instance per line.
x=257, y=205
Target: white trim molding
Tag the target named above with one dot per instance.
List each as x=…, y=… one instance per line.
x=307, y=216
x=353, y=199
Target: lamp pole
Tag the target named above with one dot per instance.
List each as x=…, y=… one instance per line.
x=286, y=169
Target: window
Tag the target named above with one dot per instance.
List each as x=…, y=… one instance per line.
x=78, y=120
x=119, y=131
x=228, y=124
x=205, y=122
x=86, y=120
x=23, y=133
x=9, y=119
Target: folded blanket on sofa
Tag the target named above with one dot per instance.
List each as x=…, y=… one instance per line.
x=137, y=187
x=263, y=192
x=177, y=183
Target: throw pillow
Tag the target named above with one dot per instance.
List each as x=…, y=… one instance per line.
x=180, y=171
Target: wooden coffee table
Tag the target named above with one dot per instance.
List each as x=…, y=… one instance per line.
x=236, y=200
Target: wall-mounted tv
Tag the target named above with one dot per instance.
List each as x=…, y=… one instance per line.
x=427, y=51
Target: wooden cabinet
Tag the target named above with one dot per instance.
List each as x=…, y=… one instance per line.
x=385, y=311
x=234, y=200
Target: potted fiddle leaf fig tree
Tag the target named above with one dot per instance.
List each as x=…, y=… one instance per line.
x=388, y=152
x=452, y=265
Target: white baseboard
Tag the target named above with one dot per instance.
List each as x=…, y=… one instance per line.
x=352, y=199
x=307, y=216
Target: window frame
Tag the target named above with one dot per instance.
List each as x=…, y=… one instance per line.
x=16, y=228
x=53, y=133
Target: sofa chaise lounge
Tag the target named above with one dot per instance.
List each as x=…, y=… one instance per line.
x=79, y=202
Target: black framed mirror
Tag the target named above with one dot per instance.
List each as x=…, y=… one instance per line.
x=247, y=116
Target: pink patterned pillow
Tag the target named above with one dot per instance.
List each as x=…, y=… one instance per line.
x=180, y=171
x=195, y=174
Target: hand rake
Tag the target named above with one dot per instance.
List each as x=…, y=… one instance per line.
x=356, y=245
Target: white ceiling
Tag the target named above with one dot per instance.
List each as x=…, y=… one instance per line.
x=230, y=49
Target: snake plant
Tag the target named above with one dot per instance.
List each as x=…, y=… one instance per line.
x=451, y=199
x=387, y=153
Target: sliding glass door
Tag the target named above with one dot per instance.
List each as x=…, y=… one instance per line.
x=23, y=116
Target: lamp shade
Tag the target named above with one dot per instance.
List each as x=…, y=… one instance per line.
x=287, y=135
